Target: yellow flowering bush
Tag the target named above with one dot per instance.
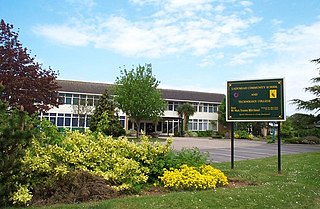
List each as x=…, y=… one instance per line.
x=121, y=162
x=22, y=196
x=193, y=178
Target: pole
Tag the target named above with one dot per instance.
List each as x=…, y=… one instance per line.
x=279, y=149
x=232, y=146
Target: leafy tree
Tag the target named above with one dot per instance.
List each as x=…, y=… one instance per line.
x=313, y=104
x=26, y=83
x=222, y=112
x=137, y=95
x=16, y=131
x=185, y=110
x=105, y=118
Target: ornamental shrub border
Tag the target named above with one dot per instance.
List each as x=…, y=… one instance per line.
x=125, y=165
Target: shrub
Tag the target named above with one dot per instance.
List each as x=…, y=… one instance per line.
x=241, y=134
x=120, y=162
x=76, y=186
x=192, y=178
x=191, y=134
x=174, y=159
x=303, y=140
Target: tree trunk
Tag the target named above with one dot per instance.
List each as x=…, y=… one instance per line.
x=138, y=128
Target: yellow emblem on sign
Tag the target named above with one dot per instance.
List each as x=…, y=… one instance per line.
x=273, y=93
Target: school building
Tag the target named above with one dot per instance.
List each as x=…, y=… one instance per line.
x=73, y=115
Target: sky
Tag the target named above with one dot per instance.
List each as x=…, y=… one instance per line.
x=195, y=45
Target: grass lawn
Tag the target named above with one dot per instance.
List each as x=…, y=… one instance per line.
x=297, y=187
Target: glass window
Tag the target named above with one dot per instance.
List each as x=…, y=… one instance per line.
x=205, y=107
x=205, y=125
x=90, y=100
x=83, y=100
x=96, y=100
x=68, y=98
x=200, y=107
x=82, y=121
x=170, y=106
x=67, y=121
x=200, y=125
x=175, y=106
x=53, y=120
x=122, y=120
x=75, y=120
x=195, y=124
x=195, y=105
x=60, y=121
x=62, y=98
x=75, y=100
x=210, y=107
x=215, y=108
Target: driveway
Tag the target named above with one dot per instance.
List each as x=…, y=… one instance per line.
x=219, y=150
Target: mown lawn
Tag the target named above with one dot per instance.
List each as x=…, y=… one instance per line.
x=297, y=187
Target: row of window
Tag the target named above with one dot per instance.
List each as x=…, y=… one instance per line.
x=92, y=100
x=202, y=125
x=79, y=99
x=199, y=107
x=71, y=120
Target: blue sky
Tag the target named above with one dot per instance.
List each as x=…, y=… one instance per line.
x=192, y=44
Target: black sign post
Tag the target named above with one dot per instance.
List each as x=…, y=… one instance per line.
x=255, y=100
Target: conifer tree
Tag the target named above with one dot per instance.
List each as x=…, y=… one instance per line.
x=313, y=104
x=16, y=131
x=105, y=118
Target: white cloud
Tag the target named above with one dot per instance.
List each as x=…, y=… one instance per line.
x=178, y=26
x=64, y=34
x=293, y=49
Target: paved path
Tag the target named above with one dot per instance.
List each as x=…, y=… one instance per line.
x=220, y=149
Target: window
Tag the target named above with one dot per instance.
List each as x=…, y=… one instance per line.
x=200, y=107
x=122, y=121
x=62, y=98
x=205, y=107
x=96, y=100
x=170, y=106
x=75, y=120
x=68, y=98
x=90, y=100
x=195, y=105
x=83, y=100
x=200, y=125
x=210, y=107
x=75, y=100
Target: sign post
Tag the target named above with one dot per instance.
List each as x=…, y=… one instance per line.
x=255, y=100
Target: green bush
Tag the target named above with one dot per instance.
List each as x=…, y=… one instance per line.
x=207, y=133
x=191, y=134
x=303, y=140
x=241, y=134
x=174, y=159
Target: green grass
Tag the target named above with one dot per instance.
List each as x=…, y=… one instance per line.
x=298, y=186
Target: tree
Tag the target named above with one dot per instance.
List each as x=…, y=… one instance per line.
x=26, y=83
x=105, y=118
x=137, y=95
x=313, y=104
x=222, y=112
x=16, y=131
x=186, y=110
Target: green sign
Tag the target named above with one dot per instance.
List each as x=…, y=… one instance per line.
x=255, y=100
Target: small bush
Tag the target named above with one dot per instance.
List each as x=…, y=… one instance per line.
x=191, y=134
x=192, y=178
x=303, y=140
x=74, y=187
x=242, y=135
x=174, y=159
